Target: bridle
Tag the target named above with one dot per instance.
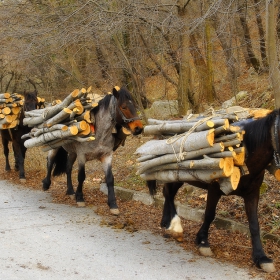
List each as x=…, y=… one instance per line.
x=124, y=118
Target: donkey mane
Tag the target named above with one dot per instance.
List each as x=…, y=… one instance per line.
x=105, y=102
x=258, y=132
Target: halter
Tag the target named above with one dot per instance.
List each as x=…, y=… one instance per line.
x=124, y=118
x=276, y=154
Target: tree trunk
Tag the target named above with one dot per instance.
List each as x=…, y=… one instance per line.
x=242, y=9
x=261, y=35
x=274, y=73
x=186, y=98
x=229, y=56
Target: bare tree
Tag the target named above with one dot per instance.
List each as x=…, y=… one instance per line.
x=274, y=72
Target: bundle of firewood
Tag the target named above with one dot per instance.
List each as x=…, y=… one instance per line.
x=198, y=148
x=10, y=107
x=63, y=122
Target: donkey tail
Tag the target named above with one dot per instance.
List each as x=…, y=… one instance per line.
x=152, y=185
x=60, y=162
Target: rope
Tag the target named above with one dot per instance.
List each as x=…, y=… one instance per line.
x=185, y=135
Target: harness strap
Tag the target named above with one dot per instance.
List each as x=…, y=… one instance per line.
x=125, y=119
x=276, y=154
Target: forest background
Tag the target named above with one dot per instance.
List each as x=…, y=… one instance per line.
x=197, y=52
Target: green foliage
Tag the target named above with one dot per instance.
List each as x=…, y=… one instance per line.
x=263, y=188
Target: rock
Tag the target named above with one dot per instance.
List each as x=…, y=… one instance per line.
x=163, y=109
x=231, y=102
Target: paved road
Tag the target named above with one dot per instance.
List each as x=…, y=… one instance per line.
x=43, y=240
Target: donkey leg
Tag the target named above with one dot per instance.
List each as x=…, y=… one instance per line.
x=16, y=159
x=109, y=178
x=251, y=206
x=5, y=143
x=20, y=160
x=50, y=162
x=214, y=195
x=79, y=192
x=170, y=220
x=70, y=162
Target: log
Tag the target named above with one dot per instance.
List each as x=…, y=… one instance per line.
x=238, y=136
x=229, y=184
x=49, y=129
x=13, y=124
x=85, y=132
x=5, y=95
x=35, y=112
x=61, y=116
x=231, y=143
x=58, y=142
x=50, y=112
x=85, y=116
x=81, y=126
x=178, y=127
x=194, y=141
x=239, y=157
x=275, y=171
x=7, y=119
x=169, y=158
x=6, y=111
x=222, y=154
x=184, y=175
x=33, y=121
x=50, y=136
x=55, y=144
x=207, y=163
x=16, y=110
x=145, y=158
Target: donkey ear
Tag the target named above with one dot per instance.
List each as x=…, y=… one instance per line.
x=116, y=91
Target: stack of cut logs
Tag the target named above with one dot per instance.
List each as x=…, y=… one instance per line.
x=194, y=149
x=66, y=121
x=10, y=107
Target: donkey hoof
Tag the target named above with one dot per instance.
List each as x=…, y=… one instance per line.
x=178, y=236
x=115, y=211
x=81, y=204
x=22, y=180
x=268, y=267
x=72, y=196
x=205, y=251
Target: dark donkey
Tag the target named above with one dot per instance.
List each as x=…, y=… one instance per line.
x=261, y=141
x=114, y=110
x=14, y=135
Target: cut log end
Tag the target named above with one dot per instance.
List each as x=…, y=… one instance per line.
x=210, y=137
x=228, y=166
x=75, y=93
x=239, y=158
x=229, y=184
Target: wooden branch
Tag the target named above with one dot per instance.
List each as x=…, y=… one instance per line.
x=275, y=171
x=58, y=142
x=207, y=163
x=238, y=136
x=61, y=116
x=194, y=141
x=170, y=158
x=184, y=175
x=229, y=184
x=50, y=136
